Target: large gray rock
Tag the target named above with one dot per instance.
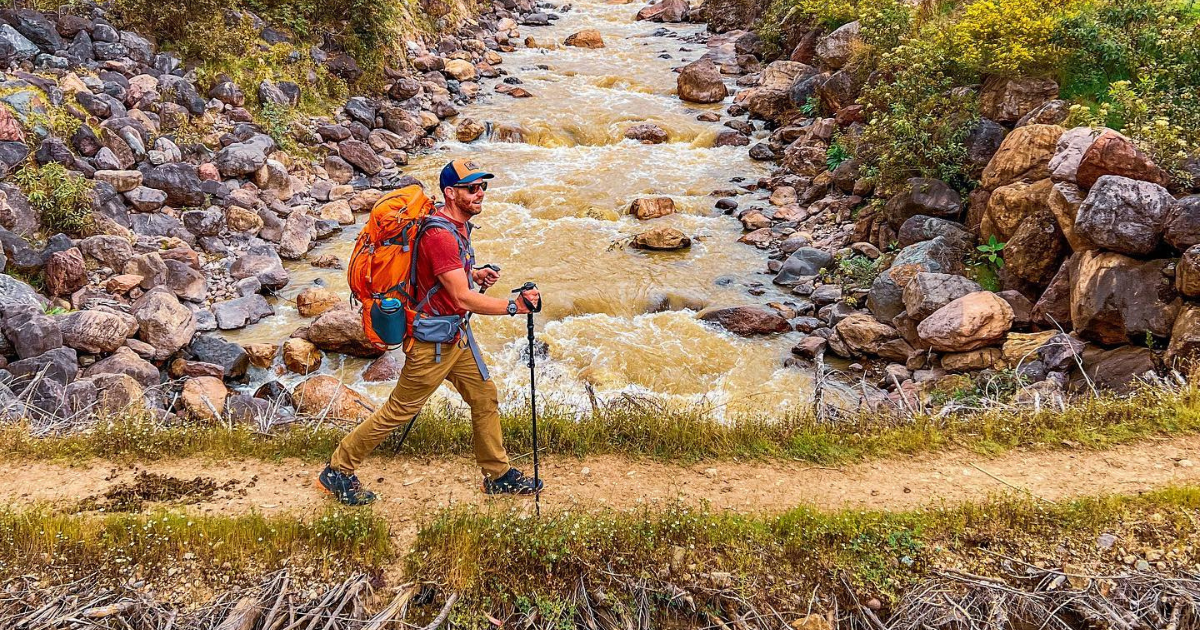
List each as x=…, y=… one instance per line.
x=923, y=196
x=1116, y=299
x=298, y=232
x=1183, y=223
x=163, y=322
x=928, y=292
x=1069, y=152
x=923, y=228
x=60, y=365
x=126, y=361
x=14, y=292
x=806, y=261
x=179, y=180
x=262, y=262
x=232, y=357
x=886, y=296
x=361, y=155
x=241, y=312
x=1124, y=215
x=243, y=158
x=20, y=45
x=30, y=331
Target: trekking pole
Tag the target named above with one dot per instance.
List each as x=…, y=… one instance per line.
x=537, y=490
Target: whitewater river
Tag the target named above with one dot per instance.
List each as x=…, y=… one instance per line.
x=619, y=319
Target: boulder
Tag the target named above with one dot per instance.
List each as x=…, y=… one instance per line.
x=385, y=368
x=261, y=355
x=239, y=219
x=865, y=335
x=1069, y=151
x=1023, y=156
x=1185, y=336
x=701, y=82
x=665, y=11
x=647, y=133
x=313, y=301
x=1124, y=215
x=747, y=320
x=145, y=199
x=30, y=331
x=1115, y=299
x=116, y=393
x=301, y=356
x=1053, y=308
x=1118, y=369
x=885, y=299
x=1182, y=230
x=297, y=236
x=260, y=261
x=241, y=312
x=1036, y=249
x=1064, y=200
x=94, y=332
x=327, y=397
x=587, y=38
x=203, y=398
x=920, y=228
x=125, y=361
x=1187, y=272
x=179, y=180
x=980, y=359
x=341, y=330
x=928, y=292
x=461, y=70
x=835, y=49
x=232, y=358
x=972, y=321
x=121, y=181
x=805, y=261
x=652, y=208
x=339, y=211
x=1114, y=154
x=661, y=238
x=64, y=272
x=163, y=322
x=982, y=143
x=1009, y=206
x=361, y=155
x=469, y=130
x=1007, y=99
x=922, y=196
x=60, y=365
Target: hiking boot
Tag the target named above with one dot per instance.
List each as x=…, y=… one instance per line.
x=345, y=488
x=511, y=482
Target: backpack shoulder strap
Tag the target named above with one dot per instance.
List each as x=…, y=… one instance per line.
x=465, y=252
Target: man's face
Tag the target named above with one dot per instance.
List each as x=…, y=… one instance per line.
x=467, y=198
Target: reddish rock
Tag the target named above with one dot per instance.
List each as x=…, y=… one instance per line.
x=1114, y=154
x=652, y=208
x=747, y=320
x=326, y=396
x=65, y=272
x=973, y=321
x=203, y=398
x=385, y=368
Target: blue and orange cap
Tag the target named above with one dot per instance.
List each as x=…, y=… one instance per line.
x=461, y=172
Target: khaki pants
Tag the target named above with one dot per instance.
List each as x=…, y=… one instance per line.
x=419, y=378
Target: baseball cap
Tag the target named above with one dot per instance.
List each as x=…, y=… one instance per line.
x=462, y=172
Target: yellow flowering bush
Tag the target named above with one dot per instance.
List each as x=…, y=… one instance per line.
x=1007, y=37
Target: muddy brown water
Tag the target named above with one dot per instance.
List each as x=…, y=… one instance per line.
x=618, y=319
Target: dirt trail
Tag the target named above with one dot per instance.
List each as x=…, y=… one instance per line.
x=412, y=488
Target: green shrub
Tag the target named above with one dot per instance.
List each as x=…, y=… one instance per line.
x=916, y=120
x=1006, y=37
x=63, y=198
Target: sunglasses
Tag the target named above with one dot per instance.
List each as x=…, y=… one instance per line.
x=474, y=188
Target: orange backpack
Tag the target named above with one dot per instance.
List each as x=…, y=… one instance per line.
x=380, y=270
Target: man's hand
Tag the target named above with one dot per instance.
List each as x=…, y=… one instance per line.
x=485, y=277
x=532, y=296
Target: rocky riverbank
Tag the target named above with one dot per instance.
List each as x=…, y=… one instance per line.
x=1068, y=265
x=144, y=210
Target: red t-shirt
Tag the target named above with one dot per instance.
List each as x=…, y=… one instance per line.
x=437, y=253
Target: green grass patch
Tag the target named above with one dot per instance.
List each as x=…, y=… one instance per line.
x=507, y=562
x=649, y=430
x=158, y=544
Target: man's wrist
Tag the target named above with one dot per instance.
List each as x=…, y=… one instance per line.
x=512, y=307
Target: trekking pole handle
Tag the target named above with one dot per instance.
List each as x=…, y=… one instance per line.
x=528, y=286
x=493, y=267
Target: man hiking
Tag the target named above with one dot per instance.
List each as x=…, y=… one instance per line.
x=443, y=260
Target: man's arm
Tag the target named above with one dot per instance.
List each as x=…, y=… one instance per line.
x=454, y=283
